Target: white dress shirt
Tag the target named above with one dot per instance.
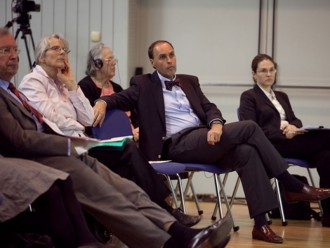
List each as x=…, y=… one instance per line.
x=271, y=96
x=178, y=112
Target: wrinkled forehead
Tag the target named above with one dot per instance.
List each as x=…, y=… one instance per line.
x=56, y=42
x=7, y=41
x=162, y=48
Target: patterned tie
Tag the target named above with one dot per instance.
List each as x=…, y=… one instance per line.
x=33, y=111
x=169, y=84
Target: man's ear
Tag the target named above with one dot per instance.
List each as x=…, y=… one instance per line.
x=152, y=63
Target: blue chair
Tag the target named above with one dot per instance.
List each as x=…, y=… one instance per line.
x=116, y=124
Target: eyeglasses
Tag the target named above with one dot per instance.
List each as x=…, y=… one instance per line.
x=9, y=50
x=265, y=71
x=112, y=59
x=59, y=49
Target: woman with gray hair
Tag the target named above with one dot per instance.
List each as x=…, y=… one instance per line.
x=101, y=68
x=52, y=89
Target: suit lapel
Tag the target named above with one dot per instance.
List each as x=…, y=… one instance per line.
x=15, y=102
x=193, y=98
x=262, y=95
x=157, y=94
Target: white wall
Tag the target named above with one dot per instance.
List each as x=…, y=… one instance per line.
x=75, y=19
x=214, y=39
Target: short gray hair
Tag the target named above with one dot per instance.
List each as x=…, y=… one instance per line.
x=44, y=45
x=93, y=54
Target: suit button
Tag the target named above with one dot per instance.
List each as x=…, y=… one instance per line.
x=163, y=138
x=159, y=156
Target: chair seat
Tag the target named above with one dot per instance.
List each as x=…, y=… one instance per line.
x=169, y=168
x=208, y=168
x=298, y=162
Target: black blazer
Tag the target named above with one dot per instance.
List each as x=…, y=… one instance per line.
x=146, y=95
x=255, y=105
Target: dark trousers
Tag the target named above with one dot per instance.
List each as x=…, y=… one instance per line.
x=315, y=148
x=243, y=146
x=130, y=163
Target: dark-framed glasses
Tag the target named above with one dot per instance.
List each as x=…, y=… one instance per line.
x=59, y=49
x=5, y=51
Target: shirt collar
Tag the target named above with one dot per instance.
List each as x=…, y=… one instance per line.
x=163, y=79
x=4, y=84
x=270, y=95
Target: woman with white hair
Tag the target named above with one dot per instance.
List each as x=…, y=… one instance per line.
x=100, y=70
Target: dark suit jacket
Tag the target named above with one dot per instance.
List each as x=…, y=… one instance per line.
x=19, y=136
x=255, y=105
x=146, y=96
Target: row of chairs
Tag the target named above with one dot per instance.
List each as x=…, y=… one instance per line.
x=116, y=124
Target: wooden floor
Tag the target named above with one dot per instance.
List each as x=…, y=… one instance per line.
x=297, y=234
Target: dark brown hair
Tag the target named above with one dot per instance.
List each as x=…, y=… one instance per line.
x=261, y=57
x=151, y=47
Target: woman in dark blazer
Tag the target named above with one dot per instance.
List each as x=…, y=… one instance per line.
x=272, y=110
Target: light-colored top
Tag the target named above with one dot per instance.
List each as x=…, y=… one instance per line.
x=178, y=112
x=69, y=110
x=271, y=96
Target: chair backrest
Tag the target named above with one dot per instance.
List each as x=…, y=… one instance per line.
x=238, y=117
x=115, y=124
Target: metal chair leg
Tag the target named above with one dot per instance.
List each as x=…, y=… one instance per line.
x=173, y=191
x=200, y=212
x=278, y=193
x=233, y=195
x=191, y=186
x=218, y=182
x=183, y=206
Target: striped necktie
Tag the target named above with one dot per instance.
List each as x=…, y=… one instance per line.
x=32, y=110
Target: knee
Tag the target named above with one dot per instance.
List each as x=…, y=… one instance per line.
x=250, y=124
x=244, y=150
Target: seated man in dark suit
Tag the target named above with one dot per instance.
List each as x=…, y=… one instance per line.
x=56, y=95
x=178, y=122
x=119, y=204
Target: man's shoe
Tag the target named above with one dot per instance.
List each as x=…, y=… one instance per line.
x=265, y=233
x=185, y=219
x=325, y=221
x=308, y=193
x=214, y=236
